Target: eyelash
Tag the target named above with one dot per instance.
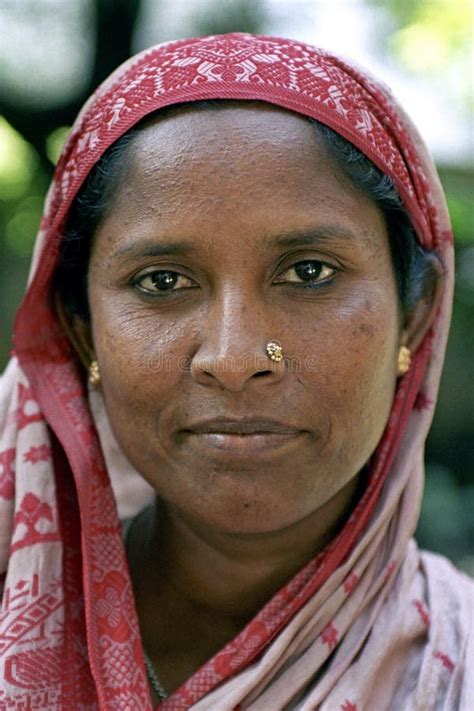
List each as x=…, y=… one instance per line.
x=299, y=285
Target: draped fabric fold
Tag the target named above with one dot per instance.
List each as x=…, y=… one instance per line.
x=370, y=623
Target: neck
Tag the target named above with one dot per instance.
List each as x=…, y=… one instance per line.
x=242, y=572
x=196, y=588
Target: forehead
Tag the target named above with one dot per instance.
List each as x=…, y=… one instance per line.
x=238, y=118
x=256, y=168
x=242, y=137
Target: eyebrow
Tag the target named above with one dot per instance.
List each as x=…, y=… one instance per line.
x=147, y=248
x=324, y=235
x=315, y=236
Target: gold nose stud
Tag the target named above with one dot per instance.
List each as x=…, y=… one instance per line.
x=274, y=351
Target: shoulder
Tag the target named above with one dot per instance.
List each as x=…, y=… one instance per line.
x=449, y=596
x=445, y=583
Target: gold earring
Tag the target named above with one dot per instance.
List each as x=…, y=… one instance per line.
x=404, y=360
x=274, y=351
x=94, y=373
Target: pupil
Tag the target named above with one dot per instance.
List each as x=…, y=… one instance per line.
x=308, y=270
x=164, y=280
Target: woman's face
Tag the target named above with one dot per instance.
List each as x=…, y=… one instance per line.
x=234, y=228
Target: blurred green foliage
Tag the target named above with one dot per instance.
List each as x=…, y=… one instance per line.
x=446, y=523
x=22, y=187
x=426, y=37
x=434, y=38
x=239, y=15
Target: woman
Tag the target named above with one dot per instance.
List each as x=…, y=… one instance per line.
x=246, y=251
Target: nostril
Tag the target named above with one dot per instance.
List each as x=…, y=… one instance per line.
x=262, y=372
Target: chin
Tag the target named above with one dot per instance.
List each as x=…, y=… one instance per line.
x=237, y=515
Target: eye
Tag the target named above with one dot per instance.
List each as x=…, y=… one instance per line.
x=162, y=281
x=309, y=272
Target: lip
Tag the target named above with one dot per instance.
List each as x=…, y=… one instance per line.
x=243, y=426
x=243, y=438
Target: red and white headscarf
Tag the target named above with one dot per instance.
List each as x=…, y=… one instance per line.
x=370, y=623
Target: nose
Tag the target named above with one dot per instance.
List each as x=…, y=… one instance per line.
x=232, y=353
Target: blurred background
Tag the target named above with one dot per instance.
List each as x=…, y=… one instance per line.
x=53, y=53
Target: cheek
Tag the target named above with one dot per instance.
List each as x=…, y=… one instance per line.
x=350, y=367
x=137, y=351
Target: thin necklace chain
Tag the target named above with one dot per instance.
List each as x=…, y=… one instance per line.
x=155, y=683
x=153, y=678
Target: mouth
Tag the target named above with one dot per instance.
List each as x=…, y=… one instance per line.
x=248, y=437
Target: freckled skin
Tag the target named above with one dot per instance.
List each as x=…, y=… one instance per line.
x=228, y=182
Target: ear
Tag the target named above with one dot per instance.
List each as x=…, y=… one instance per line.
x=422, y=314
x=78, y=331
